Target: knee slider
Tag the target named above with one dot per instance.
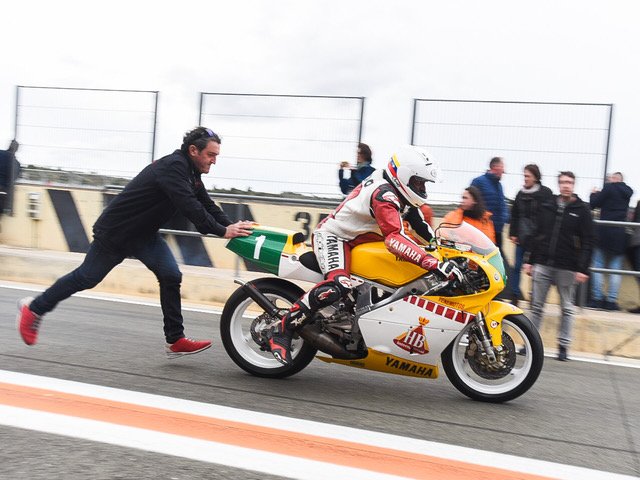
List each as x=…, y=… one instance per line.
x=327, y=293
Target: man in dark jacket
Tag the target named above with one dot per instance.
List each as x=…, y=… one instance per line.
x=560, y=254
x=9, y=171
x=523, y=219
x=613, y=202
x=493, y=196
x=129, y=227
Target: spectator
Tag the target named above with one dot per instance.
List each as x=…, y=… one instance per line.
x=493, y=196
x=9, y=171
x=129, y=227
x=613, y=202
x=634, y=248
x=358, y=173
x=559, y=253
x=523, y=220
x=472, y=211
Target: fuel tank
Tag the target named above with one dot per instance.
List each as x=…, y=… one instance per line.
x=374, y=262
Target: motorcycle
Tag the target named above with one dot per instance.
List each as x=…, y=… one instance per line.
x=398, y=319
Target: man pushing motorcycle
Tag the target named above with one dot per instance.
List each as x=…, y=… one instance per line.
x=373, y=211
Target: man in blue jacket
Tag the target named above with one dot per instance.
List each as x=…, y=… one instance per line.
x=613, y=202
x=493, y=196
x=358, y=173
x=129, y=227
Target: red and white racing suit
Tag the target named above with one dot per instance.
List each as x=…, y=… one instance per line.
x=372, y=212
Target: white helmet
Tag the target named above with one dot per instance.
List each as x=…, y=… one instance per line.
x=409, y=169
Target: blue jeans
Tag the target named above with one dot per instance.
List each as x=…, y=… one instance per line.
x=153, y=252
x=602, y=259
x=515, y=274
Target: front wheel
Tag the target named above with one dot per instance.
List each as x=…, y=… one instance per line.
x=516, y=368
x=242, y=322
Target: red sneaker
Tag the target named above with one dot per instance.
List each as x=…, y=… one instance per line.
x=186, y=346
x=27, y=322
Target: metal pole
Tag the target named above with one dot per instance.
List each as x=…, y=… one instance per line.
x=155, y=126
x=15, y=124
x=200, y=111
x=361, y=117
x=413, y=121
x=606, y=156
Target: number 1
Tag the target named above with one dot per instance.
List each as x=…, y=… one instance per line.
x=259, y=242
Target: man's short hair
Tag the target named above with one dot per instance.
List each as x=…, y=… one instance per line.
x=567, y=173
x=495, y=161
x=619, y=174
x=200, y=138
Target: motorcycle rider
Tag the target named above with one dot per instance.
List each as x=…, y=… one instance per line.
x=373, y=211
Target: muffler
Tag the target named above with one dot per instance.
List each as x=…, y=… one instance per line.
x=258, y=297
x=326, y=343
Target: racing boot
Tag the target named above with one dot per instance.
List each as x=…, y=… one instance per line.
x=323, y=294
x=281, y=334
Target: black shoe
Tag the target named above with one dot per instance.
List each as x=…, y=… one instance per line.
x=522, y=351
x=562, y=353
x=635, y=310
x=597, y=304
x=514, y=302
x=612, y=306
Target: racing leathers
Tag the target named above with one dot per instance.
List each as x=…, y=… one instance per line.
x=372, y=212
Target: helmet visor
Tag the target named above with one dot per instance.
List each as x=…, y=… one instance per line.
x=418, y=186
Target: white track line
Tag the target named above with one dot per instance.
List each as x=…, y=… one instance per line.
x=233, y=455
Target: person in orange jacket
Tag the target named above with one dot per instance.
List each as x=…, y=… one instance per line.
x=472, y=211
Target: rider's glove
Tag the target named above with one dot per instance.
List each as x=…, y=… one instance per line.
x=449, y=270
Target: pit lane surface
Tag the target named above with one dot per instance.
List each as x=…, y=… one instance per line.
x=581, y=414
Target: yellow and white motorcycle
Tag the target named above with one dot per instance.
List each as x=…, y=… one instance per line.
x=399, y=319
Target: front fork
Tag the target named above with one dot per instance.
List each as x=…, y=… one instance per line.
x=484, y=337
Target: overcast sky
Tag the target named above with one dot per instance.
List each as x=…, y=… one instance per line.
x=388, y=52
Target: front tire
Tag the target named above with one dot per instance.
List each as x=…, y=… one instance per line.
x=238, y=315
x=522, y=370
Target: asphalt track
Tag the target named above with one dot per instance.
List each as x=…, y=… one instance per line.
x=581, y=414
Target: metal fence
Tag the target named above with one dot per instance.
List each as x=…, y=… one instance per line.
x=111, y=132
x=466, y=134
x=283, y=143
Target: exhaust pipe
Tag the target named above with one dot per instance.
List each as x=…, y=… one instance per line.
x=258, y=297
x=326, y=343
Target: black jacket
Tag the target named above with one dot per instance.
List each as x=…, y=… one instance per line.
x=613, y=202
x=525, y=212
x=564, y=236
x=168, y=185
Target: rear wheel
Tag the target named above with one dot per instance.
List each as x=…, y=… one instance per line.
x=243, y=321
x=516, y=369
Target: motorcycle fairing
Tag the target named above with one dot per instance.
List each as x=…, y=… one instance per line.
x=388, y=363
x=403, y=319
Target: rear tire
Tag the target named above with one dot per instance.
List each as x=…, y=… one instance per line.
x=241, y=347
x=521, y=376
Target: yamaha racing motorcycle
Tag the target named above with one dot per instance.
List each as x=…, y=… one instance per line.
x=398, y=318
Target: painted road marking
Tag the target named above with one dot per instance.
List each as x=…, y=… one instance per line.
x=250, y=440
